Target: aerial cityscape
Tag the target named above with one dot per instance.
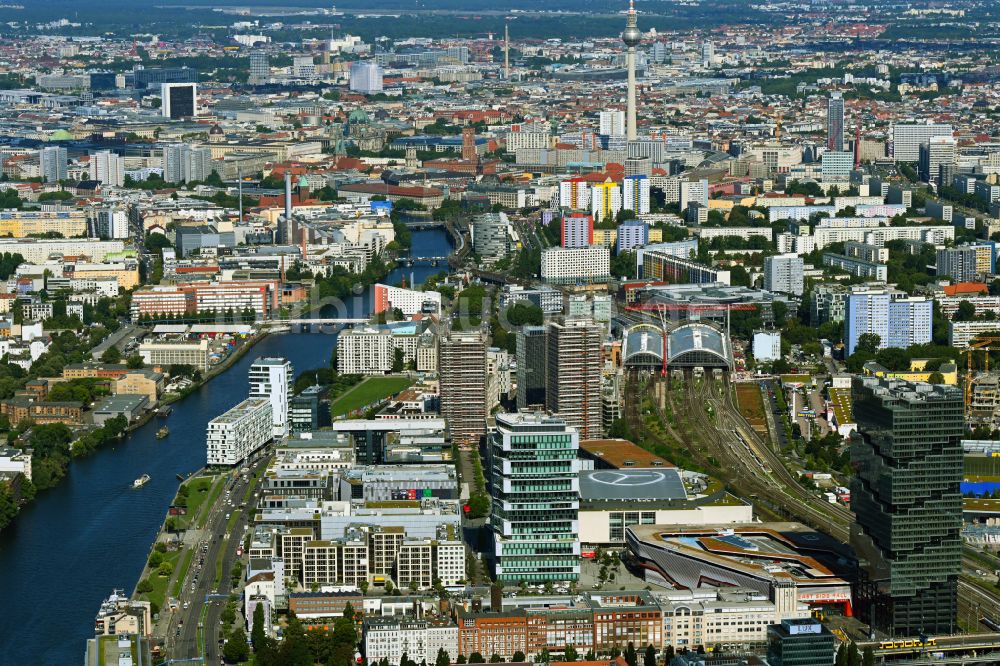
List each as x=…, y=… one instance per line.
x=439, y=333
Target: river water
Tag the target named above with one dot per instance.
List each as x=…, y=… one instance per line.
x=77, y=542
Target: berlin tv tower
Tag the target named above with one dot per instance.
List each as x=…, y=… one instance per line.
x=631, y=37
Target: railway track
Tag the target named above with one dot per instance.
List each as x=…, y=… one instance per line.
x=752, y=467
x=719, y=437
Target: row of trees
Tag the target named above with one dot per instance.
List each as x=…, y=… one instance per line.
x=299, y=647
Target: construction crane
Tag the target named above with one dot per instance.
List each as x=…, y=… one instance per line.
x=661, y=309
x=985, y=344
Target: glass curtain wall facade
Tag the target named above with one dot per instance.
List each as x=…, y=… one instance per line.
x=534, y=480
x=906, y=495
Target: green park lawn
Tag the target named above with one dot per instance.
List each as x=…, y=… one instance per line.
x=370, y=390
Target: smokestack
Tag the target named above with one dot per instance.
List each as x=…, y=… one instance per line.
x=239, y=179
x=288, y=197
x=506, y=51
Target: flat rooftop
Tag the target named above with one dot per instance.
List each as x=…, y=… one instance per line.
x=635, y=484
x=621, y=454
x=766, y=550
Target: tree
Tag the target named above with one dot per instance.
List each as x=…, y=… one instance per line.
x=398, y=360
x=496, y=659
x=868, y=657
x=571, y=654
x=853, y=655
x=236, y=649
x=631, y=658
x=780, y=310
x=134, y=362
x=517, y=658
x=869, y=342
x=476, y=658
x=443, y=659
x=649, y=658
x=841, y=655
x=936, y=378
x=144, y=586
x=111, y=355
x=623, y=265
x=966, y=311
x=258, y=635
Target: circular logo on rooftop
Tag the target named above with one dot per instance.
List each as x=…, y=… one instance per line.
x=637, y=478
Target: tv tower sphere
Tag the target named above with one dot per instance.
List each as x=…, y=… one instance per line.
x=631, y=36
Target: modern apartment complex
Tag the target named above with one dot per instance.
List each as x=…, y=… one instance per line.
x=271, y=379
x=233, y=436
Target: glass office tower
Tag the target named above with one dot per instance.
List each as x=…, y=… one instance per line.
x=906, y=494
x=535, y=483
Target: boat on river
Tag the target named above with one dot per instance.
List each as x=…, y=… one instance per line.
x=141, y=481
x=162, y=432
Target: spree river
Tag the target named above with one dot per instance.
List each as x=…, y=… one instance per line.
x=77, y=542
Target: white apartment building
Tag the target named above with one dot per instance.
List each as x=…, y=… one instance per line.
x=450, y=562
x=408, y=301
x=693, y=191
x=271, y=378
x=528, y=139
x=183, y=163
x=961, y=333
x=574, y=193
x=233, y=436
x=367, y=350
x=166, y=353
x=636, y=194
x=112, y=223
x=389, y=638
x=109, y=168
x=571, y=265
x=364, y=351
x=767, y=345
x=906, y=139
x=612, y=123
x=366, y=77
x=783, y=274
x=746, y=233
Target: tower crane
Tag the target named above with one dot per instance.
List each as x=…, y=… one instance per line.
x=985, y=344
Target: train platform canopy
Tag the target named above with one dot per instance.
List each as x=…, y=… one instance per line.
x=230, y=329
x=171, y=329
x=698, y=345
x=643, y=346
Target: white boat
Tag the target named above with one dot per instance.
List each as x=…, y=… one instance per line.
x=141, y=481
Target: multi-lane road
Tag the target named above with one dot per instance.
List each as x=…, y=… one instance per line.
x=193, y=630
